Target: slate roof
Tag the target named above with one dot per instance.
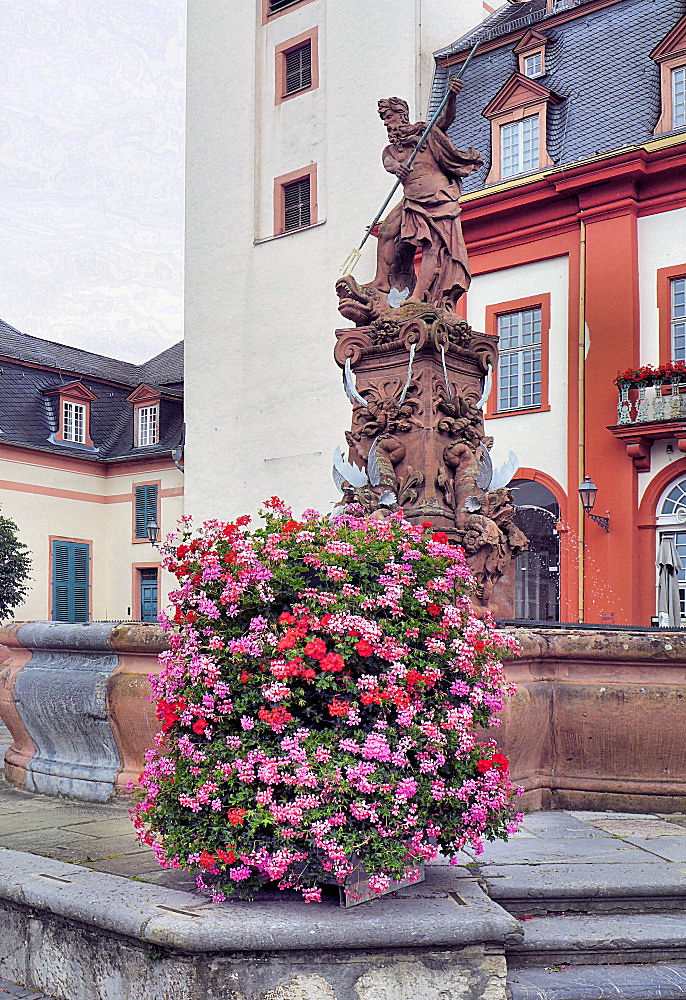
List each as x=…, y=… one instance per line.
x=598, y=63
x=28, y=417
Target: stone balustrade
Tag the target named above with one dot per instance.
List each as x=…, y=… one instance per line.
x=655, y=399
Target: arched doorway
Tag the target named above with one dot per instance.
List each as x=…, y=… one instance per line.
x=537, y=571
x=670, y=518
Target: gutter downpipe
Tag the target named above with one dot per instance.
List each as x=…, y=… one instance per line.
x=582, y=406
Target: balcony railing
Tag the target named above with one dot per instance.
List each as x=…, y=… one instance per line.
x=654, y=399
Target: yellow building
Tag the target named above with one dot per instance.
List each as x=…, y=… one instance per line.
x=91, y=453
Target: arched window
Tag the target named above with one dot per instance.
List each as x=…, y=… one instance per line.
x=671, y=520
x=537, y=571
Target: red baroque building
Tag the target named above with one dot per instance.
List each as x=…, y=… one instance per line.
x=576, y=230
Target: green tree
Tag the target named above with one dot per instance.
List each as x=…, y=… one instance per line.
x=15, y=565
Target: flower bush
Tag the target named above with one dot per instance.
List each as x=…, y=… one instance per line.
x=321, y=702
x=648, y=373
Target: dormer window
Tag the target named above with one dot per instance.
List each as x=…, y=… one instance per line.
x=148, y=425
x=518, y=116
x=519, y=146
x=679, y=97
x=533, y=64
x=71, y=417
x=146, y=416
x=73, y=422
x=670, y=55
x=530, y=51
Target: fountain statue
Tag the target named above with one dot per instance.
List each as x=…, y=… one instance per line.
x=416, y=373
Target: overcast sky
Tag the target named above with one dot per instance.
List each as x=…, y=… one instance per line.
x=91, y=172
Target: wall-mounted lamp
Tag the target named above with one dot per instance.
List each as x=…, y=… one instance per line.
x=587, y=492
x=152, y=529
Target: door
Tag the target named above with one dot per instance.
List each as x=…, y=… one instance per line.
x=148, y=584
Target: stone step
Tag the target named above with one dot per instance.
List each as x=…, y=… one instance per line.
x=621, y=887
x=583, y=939
x=661, y=981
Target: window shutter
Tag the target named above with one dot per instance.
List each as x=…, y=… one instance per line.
x=297, y=204
x=278, y=5
x=299, y=68
x=140, y=512
x=146, y=508
x=70, y=579
x=81, y=583
x=60, y=581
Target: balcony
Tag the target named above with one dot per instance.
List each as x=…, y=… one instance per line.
x=651, y=406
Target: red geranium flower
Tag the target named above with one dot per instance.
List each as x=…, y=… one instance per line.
x=364, y=648
x=339, y=707
x=316, y=648
x=206, y=860
x=501, y=762
x=484, y=765
x=332, y=662
x=236, y=816
x=439, y=536
x=434, y=609
x=199, y=726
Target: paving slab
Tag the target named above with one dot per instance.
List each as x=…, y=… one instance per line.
x=560, y=825
x=131, y=865
x=598, y=982
x=667, y=848
x=13, y=991
x=540, y=851
x=590, y=815
x=645, y=828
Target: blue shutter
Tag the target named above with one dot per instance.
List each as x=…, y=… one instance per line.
x=70, y=582
x=60, y=581
x=146, y=508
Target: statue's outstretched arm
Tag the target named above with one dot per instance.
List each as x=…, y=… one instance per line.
x=445, y=120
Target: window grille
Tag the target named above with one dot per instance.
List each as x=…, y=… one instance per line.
x=147, y=425
x=276, y=6
x=296, y=198
x=679, y=97
x=146, y=508
x=73, y=422
x=519, y=362
x=519, y=146
x=70, y=570
x=678, y=294
x=299, y=68
x=533, y=64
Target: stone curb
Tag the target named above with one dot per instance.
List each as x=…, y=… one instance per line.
x=449, y=910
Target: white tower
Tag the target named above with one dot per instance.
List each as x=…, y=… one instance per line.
x=281, y=105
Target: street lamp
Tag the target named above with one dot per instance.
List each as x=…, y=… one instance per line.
x=152, y=529
x=588, y=491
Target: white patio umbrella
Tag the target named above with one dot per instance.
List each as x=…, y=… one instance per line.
x=668, y=564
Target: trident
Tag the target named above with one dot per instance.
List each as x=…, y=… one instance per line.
x=354, y=255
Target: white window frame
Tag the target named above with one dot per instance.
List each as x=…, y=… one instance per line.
x=73, y=421
x=147, y=425
x=677, y=299
x=520, y=146
x=678, y=83
x=536, y=66
x=673, y=523
x=520, y=364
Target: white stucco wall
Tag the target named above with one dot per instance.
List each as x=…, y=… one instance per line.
x=661, y=243
x=265, y=403
x=538, y=439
